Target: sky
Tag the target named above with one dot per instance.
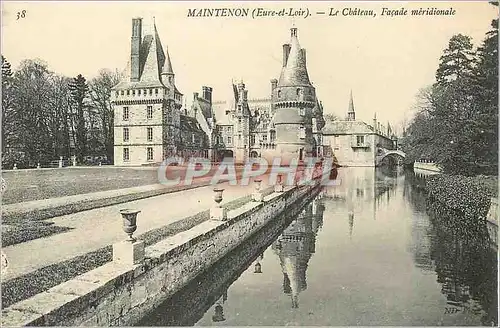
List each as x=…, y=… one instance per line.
x=383, y=60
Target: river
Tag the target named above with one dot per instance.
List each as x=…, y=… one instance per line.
x=365, y=252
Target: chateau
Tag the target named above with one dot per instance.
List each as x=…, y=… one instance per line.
x=151, y=124
x=357, y=143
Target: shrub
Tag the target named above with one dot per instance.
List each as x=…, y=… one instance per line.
x=470, y=196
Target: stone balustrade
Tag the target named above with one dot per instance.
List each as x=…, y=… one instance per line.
x=122, y=292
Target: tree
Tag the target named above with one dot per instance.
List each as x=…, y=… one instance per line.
x=457, y=123
x=8, y=113
x=32, y=84
x=330, y=117
x=78, y=88
x=100, y=96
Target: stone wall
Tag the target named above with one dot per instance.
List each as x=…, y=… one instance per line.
x=433, y=167
x=117, y=294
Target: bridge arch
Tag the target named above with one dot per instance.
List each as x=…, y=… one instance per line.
x=395, y=154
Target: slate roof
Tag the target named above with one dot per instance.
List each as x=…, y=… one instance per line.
x=189, y=123
x=153, y=61
x=295, y=71
x=346, y=127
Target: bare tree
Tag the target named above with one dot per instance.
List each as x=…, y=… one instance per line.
x=100, y=98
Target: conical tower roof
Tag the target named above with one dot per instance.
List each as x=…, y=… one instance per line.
x=295, y=71
x=167, y=68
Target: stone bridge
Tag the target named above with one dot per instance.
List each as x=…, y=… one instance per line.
x=382, y=153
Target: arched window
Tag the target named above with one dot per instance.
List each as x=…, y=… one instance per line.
x=279, y=93
x=298, y=91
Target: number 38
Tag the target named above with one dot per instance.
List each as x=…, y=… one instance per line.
x=21, y=14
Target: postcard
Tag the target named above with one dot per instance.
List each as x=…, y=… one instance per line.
x=221, y=163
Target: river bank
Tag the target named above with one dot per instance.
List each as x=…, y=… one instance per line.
x=470, y=196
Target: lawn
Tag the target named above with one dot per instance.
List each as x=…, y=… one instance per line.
x=27, y=185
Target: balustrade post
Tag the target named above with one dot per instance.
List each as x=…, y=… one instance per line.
x=217, y=212
x=257, y=195
x=130, y=251
x=278, y=187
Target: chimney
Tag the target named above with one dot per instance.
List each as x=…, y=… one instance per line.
x=134, y=51
x=274, y=84
x=207, y=94
x=195, y=95
x=286, y=52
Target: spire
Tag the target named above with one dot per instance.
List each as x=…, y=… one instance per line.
x=351, y=115
x=167, y=68
x=351, y=104
x=295, y=70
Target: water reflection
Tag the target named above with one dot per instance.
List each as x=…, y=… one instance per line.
x=370, y=251
x=295, y=247
x=464, y=261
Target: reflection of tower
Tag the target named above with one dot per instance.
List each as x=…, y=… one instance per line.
x=351, y=223
x=318, y=208
x=219, y=310
x=294, y=248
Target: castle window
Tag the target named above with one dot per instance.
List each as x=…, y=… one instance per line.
x=273, y=136
x=252, y=139
x=149, y=113
x=170, y=79
x=264, y=137
x=145, y=92
x=133, y=92
x=193, y=138
x=150, y=134
x=150, y=92
x=125, y=113
x=360, y=140
x=279, y=93
x=239, y=120
x=156, y=91
x=128, y=92
x=126, y=154
x=239, y=137
x=149, y=151
x=229, y=140
x=302, y=111
x=302, y=132
x=126, y=134
x=122, y=92
x=139, y=92
x=298, y=92
x=117, y=93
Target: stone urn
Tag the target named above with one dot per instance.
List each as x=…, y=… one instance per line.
x=129, y=222
x=258, y=183
x=218, y=196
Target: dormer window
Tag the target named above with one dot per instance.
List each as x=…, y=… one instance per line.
x=298, y=92
x=279, y=93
